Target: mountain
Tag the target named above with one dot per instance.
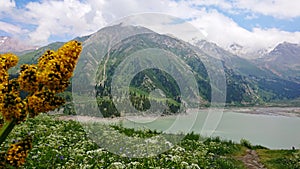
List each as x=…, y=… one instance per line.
x=247, y=52
x=105, y=50
x=283, y=60
x=96, y=46
x=9, y=44
x=236, y=62
x=269, y=85
x=237, y=49
x=108, y=53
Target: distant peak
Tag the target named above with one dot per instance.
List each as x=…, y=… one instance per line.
x=123, y=27
x=10, y=44
x=285, y=42
x=203, y=43
x=285, y=52
x=236, y=46
x=285, y=45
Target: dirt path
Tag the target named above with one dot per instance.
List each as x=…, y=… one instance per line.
x=251, y=160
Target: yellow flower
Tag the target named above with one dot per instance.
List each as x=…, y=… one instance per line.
x=8, y=60
x=56, y=68
x=42, y=82
x=43, y=101
x=18, y=152
x=28, y=78
x=11, y=104
x=3, y=75
x=50, y=76
x=46, y=57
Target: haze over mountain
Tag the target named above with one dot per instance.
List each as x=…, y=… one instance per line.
x=9, y=44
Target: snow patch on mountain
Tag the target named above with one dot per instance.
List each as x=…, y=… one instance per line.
x=9, y=44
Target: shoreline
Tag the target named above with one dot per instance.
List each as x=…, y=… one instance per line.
x=268, y=111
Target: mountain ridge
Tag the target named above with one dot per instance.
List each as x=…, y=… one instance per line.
x=247, y=83
x=283, y=60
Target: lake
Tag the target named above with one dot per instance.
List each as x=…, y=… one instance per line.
x=272, y=131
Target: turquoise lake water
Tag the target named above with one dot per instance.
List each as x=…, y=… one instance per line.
x=275, y=132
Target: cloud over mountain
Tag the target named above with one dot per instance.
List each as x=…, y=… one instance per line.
x=44, y=21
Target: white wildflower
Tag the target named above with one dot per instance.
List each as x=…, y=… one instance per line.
x=184, y=164
x=169, y=144
x=116, y=165
x=179, y=149
x=194, y=166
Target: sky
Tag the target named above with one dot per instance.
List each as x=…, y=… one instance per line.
x=254, y=24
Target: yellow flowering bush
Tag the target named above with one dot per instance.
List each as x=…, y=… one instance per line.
x=18, y=152
x=41, y=82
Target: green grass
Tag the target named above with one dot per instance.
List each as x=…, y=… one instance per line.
x=65, y=144
x=278, y=159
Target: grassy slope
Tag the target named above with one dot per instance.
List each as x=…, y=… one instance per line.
x=278, y=159
x=60, y=144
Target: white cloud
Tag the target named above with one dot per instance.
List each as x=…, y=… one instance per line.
x=71, y=18
x=275, y=8
x=216, y=26
x=6, y=27
x=179, y=9
x=220, y=3
x=6, y=5
x=224, y=31
x=271, y=37
x=61, y=18
x=78, y=18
